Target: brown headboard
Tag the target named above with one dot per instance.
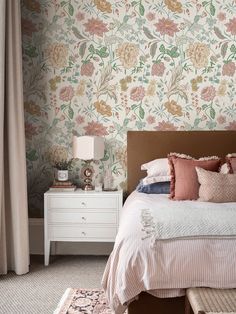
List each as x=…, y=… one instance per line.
x=144, y=146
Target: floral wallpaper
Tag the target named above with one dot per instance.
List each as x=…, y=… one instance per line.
x=103, y=67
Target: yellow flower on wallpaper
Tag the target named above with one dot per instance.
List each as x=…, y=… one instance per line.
x=80, y=91
x=128, y=54
x=103, y=5
x=57, y=54
x=194, y=83
x=32, y=108
x=124, y=83
x=173, y=108
x=103, y=108
x=199, y=54
x=53, y=83
x=174, y=6
x=151, y=89
x=222, y=88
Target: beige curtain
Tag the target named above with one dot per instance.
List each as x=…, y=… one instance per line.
x=14, y=242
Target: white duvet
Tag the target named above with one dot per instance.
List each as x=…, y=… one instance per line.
x=165, y=246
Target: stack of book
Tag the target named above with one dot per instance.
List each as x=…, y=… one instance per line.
x=62, y=186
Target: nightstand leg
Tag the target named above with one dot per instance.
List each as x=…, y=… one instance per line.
x=46, y=252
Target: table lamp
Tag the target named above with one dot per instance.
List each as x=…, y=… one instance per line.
x=88, y=148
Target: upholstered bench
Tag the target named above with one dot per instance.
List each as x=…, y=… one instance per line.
x=210, y=301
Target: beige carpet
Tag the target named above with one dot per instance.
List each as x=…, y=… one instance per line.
x=39, y=291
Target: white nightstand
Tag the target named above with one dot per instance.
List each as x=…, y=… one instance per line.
x=80, y=216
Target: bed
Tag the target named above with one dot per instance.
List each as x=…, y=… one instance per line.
x=165, y=289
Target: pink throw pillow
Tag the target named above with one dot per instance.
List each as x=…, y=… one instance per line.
x=231, y=162
x=216, y=187
x=184, y=181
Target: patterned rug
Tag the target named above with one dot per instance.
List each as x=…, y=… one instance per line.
x=83, y=301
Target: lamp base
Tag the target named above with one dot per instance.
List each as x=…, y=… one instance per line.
x=88, y=172
x=88, y=187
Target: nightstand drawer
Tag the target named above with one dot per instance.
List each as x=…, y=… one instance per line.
x=81, y=233
x=82, y=202
x=73, y=216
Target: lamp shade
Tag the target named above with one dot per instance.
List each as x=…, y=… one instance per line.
x=88, y=147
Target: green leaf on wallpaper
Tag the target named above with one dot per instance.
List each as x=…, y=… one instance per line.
x=55, y=121
x=133, y=3
x=141, y=9
x=204, y=106
x=148, y=33
x=31, y=52
x=197, y=18
x=125, y=18
x=224, y=48
x=82, y=49
x=126, y=122
x=70, y=9
x=212, y=113
x=77, y=33
x=102, y=52
x=70, y=113
x=212, y=9
x=91, y=49
x=153, y=49
x=162, y=48
x=63, y=3
x=218, y=33
x=173, y=52
x=32, y=155
x=63, y=106
x=233, y=48
x=141, y=112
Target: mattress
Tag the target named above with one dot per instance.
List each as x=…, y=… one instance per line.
x=149, y=256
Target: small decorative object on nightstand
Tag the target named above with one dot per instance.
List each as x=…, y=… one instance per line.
x=88, y=148
x=80, y=216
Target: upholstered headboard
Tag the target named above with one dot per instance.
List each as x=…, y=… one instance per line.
x=144, y=146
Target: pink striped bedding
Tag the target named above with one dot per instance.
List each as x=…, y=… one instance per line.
x=164, y=267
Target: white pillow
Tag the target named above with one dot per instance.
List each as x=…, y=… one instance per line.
x=224, y=168
x=158, y=170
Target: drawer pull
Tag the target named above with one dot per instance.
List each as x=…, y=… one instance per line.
x=83, y=218
x=83, y=203
x=83, y=233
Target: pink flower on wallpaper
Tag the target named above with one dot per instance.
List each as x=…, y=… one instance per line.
x=79, y=16
x=137, y=93
x=221, y=16
x=30, y=130
x=231, y=126
x=158, y=69
x=231, y=26
x=166, y=27
x=96, y=27
x=66, y=93
x=165, y=126
x=208, y=93
x=221, y=119
x=28, y=27
x=151, y=119
x=87, y=69
x=150, y=16
x=95, y=128
x=79, y=119
x=229, y=69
